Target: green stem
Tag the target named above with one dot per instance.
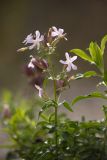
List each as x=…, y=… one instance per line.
x=56, y=107
x=56, y=119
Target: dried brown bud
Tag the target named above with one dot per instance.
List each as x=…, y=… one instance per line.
x=60, y=83
x=40, y=63
x=38, y=80
x=29, y=71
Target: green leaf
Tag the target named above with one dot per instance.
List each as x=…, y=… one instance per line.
x=82, y=54
x=91, y=95
x=67, y=106
x=103, y=43
x=51, y=117
x=44, y=117
x=47, y=104
x=96, y=55
x=89, y=74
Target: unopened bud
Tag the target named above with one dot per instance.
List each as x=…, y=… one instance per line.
x=22, y=49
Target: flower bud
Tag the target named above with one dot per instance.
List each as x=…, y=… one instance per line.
x=22, y=49
x=29, y=71
x=40, y=63
x=60, y=84
x=37, y=80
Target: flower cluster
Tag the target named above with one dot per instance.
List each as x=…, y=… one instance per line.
x=38, y=66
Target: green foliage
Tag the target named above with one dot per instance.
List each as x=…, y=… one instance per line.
x=91, y=95
x=32, y=139
x=103, y=43
x=78, y=140
x=96, y=55
x=87, y=74
x=47, y=134
x=67, y=106
x=82, y=55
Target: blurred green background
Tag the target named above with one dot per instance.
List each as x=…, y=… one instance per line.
x=83, y=20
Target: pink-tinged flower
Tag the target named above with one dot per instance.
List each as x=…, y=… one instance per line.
x=57, y=32
x=31, y=63
x=40, y=90
x=69, y=62
x=34, y=40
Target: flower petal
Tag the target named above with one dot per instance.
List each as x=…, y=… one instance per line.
x=37, y=34
x=31, y=65
x=67, y=56
x=39, y=89
x=41, y=38
x=63, y=62
x=73, y=58
x=54, y=34
x=40, y=92
x=28, y=39
x=61, y=31
x=74, y=67
x=54, y=28
x=68, y=68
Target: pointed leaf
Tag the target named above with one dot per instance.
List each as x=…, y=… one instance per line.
x=44, y=117
x=51, y=117
x=96, y=55
x=87, y=74
x=67, y=106
x=90, y=74
x=91, y=95
x=82, y=54
x=103, y=43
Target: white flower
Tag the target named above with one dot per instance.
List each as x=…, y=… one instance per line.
x=40, y=90
x=31, y=63
x=34, y=41
x=69, y=62
x=57, y=32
